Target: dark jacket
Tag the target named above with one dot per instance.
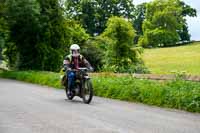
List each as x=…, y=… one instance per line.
x=82, y=62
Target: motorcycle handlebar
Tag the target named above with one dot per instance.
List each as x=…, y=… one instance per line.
x=81, y=69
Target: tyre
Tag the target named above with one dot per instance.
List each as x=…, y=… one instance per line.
x=87, y=92
x=70, y=97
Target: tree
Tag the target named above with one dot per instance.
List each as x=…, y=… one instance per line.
x=3, y=27
x=165, y=23
x=93, y=14
x=186, y=11
x=109, y=8
x=161, y=23
x=89, y=15
x=121, y=55
x=23, y=25
x=139, y=16
x=83, y=11
x=53, y=35
x=75, y=33
x=39, y=34
x=93, y=52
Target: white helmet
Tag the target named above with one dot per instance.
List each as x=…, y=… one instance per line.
x=74, y=50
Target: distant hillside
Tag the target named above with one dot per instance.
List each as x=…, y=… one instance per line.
x=181, y=58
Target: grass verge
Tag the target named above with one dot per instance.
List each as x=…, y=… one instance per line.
x=179, y=94
x=37, y=77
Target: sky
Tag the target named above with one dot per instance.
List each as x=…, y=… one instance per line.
x=193, y=23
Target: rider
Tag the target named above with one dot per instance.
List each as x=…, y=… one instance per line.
x=71, y=64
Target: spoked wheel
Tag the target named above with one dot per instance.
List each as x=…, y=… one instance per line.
x=87, y=92
x=70, y=97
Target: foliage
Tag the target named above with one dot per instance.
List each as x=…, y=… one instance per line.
x=184, y=33
x=139, y=17
x=83, y=11
x=174, y=94
x=177, y=94
x=94, y=51
x=75, y=33
x=93, y=14
x=159, y=37
x=161, y=23
x=10, y=53
x=121, y=33
x=39, y=34
x=165, y=23
x=121, y=55
x=24, y=26
x=3, y=27
x=186, y=11
x=52, y=33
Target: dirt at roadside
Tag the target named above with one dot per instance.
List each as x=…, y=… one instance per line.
x=166, y=77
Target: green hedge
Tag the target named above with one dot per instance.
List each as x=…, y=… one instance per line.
x=177, y=94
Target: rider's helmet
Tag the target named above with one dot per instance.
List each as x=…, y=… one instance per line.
x=75, y=50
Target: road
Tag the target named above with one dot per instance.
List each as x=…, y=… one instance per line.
x=28, y=108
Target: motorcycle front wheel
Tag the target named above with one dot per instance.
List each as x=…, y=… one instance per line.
x=70, y=97
x=87, y=92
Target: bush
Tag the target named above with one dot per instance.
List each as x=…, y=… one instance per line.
x=93, y=51
x=158, y=38
x=121, y=53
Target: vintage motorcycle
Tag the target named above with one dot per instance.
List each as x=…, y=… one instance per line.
x=82, y=87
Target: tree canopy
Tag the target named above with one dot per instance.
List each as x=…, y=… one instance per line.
x=120, y=55
x=39, y=34
x=3, y=27
x=93, y=14
x=164, y=23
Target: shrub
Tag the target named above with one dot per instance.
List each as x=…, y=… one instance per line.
x=121, y=53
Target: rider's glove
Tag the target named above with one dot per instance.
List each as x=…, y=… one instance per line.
x=67, y=67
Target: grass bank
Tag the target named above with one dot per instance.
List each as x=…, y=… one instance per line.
x=177, y=94
x=181, y=58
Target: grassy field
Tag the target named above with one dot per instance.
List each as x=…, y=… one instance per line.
x=166, y=60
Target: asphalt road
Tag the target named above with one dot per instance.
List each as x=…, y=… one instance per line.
x=27, y=108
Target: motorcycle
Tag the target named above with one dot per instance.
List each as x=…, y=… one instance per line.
x=82, y=87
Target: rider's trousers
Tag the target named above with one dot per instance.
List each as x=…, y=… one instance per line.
x=71, y=79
